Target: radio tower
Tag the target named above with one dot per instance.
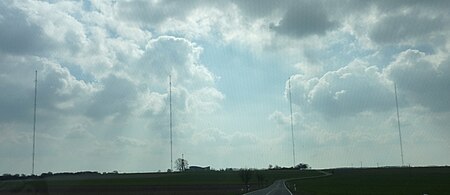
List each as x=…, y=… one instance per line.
x=34, y=122
x=398, y=122
x=170, y=113
x=292, y=123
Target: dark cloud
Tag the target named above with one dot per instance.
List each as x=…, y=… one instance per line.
x=388, y=6
x=422, y=81
x=155, y=12
x=18, y=35
x=116, y=99
x=403, y=27
x=16, y=104
x=394, y=5
x=305, y=19
x=259, y=8
x=58, y=90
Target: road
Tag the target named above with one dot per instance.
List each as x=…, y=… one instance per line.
x=277, y=188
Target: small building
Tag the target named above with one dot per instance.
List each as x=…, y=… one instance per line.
x=198, y=168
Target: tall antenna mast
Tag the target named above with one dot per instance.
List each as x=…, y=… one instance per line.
x=398, y=122
x=292, y=124
x=170, y=111
x=34, y=122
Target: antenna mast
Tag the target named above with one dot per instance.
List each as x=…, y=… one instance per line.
x=398, y=122
x=292, y=124
x=34, y=122
x=170, y=111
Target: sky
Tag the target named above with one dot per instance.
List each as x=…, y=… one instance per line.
x=103, y=83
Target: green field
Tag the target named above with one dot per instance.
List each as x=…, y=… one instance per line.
x=201, y=182
x=427, y=180
x=176, y=178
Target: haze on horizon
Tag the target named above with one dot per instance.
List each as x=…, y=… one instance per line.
x=103, y=71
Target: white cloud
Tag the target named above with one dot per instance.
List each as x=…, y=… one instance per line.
x=279, y=118
x=422, y=81
x=205, y=100
x=178, y=57
x=284, y=120
x=153, y=103
x=349, y=90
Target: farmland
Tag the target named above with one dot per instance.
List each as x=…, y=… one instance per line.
x=203, y=182
x=419, y=180
x=394, y=180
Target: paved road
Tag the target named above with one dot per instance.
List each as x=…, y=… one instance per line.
x=277, y=188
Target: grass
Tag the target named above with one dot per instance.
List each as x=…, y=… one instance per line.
x=427, y=180
x=156, y=179
x=187, y=178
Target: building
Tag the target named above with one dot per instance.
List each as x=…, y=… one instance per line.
x=198, y=168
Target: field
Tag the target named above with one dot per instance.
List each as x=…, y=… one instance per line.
x=426, y=180
x=202, y=182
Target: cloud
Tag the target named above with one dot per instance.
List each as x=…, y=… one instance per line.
x=127, y=141
x=153, y=103
x=193, y=88
x=116, y=98
x=167, y=55
x=259, y=8
x=404, y=27
x=421, y=80
x=205, y=100
x=352, y=89
x=57, y=22
x=109, y=75
x=155, y=12
x=18, y=35
x=279, y=118
x=387, y=5
x=305, y=19
x=58, y=90
x=79, y=133
x=224, y=138
x=284, y=120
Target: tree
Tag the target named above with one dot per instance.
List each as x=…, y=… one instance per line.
x=260, y=177
x=302, y=166
x=246, y=175
x=181, y=164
